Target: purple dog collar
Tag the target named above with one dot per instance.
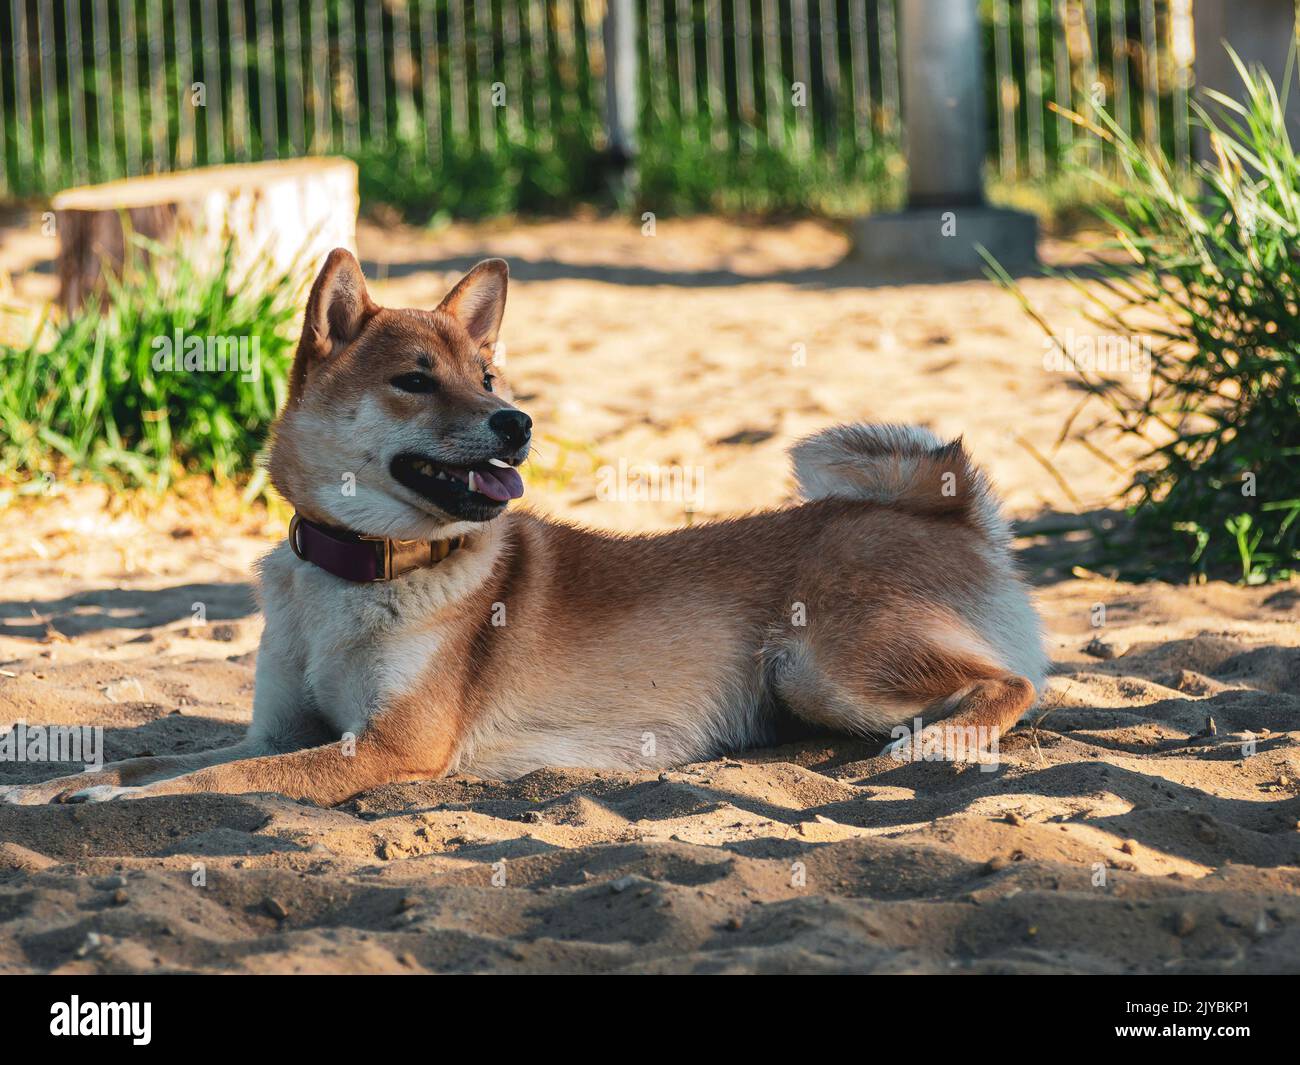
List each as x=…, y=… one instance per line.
x=363, y=559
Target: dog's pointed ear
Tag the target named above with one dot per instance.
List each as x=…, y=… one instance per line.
x=479, y=300
x=339, y=305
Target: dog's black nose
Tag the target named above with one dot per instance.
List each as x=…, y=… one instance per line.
x=513, y=426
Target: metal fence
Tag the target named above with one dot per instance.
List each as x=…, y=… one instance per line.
x=97, y=89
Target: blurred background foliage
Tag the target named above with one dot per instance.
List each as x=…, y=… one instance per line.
x=481, y=108
x=1204, y=267
x=469, y=108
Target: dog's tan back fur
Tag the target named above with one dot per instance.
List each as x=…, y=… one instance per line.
x=888, y=593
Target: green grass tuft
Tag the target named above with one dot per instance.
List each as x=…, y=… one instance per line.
x=83, y=398
x=1213, y=258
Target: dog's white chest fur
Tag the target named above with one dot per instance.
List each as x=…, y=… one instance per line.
x=340, y=649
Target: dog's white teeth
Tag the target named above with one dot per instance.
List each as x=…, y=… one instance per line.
x=472, y=488
x=499, y=462
x=440, y=475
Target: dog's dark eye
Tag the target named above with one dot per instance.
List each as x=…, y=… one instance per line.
x=415, y=382
x=487, y=381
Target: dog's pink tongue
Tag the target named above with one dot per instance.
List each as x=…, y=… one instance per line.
x=499, y=482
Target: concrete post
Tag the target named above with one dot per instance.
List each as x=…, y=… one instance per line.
x=621, y=79
x=1260, y=32
x=943, y=102
x=943, y=117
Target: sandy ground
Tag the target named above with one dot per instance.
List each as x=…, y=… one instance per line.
x=1120, y=831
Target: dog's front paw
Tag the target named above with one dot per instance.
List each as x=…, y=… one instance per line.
x=57, y=789
x=102, y=793
x=28, y=794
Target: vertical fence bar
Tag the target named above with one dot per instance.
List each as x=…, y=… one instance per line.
x=25, y=154
x=129, y=57
x=76, y=92
x=213, y=122
x=1150, y=77
x=1091, y=72
x=657, y=71
x=349, y=80
x=572, y=52
x=403, y=70
x=6, y=185
x=50, y=139
x=104, y=127
x=376, y=82
x=718, y=123
x=583, y=59
x=185, y=72
x=1182, y=49
x=592, y=20
x=240, y=127
x=1034, y=145
x=430, y=96
x=773, y=84
x=1119, y=63
x=186, y=146
x=543, y=23
x=295, y=90
x=686, y=101
x=802, y=73
x=861, y=55
x=268, y=137
x=889, y=83
x=159, y=119
x=744, y=37
x=456, y=56
x=322, y=92
x=484, y=73
x=830, y=72
x=1005, y=88
x=512, y=44
x=540, y=73
x=1064, y=91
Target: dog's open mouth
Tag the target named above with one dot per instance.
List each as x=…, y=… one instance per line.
x=471, y=492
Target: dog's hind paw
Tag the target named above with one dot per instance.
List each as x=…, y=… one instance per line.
x=101, y=793
x=899, y=750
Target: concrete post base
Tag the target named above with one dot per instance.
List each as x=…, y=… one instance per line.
x=939, y=242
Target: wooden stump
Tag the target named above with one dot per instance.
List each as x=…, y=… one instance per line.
x=283, y=215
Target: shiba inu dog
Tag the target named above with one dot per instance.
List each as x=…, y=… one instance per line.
x=417, y=625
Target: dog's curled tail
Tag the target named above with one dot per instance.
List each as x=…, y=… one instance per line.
x=902, y=466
